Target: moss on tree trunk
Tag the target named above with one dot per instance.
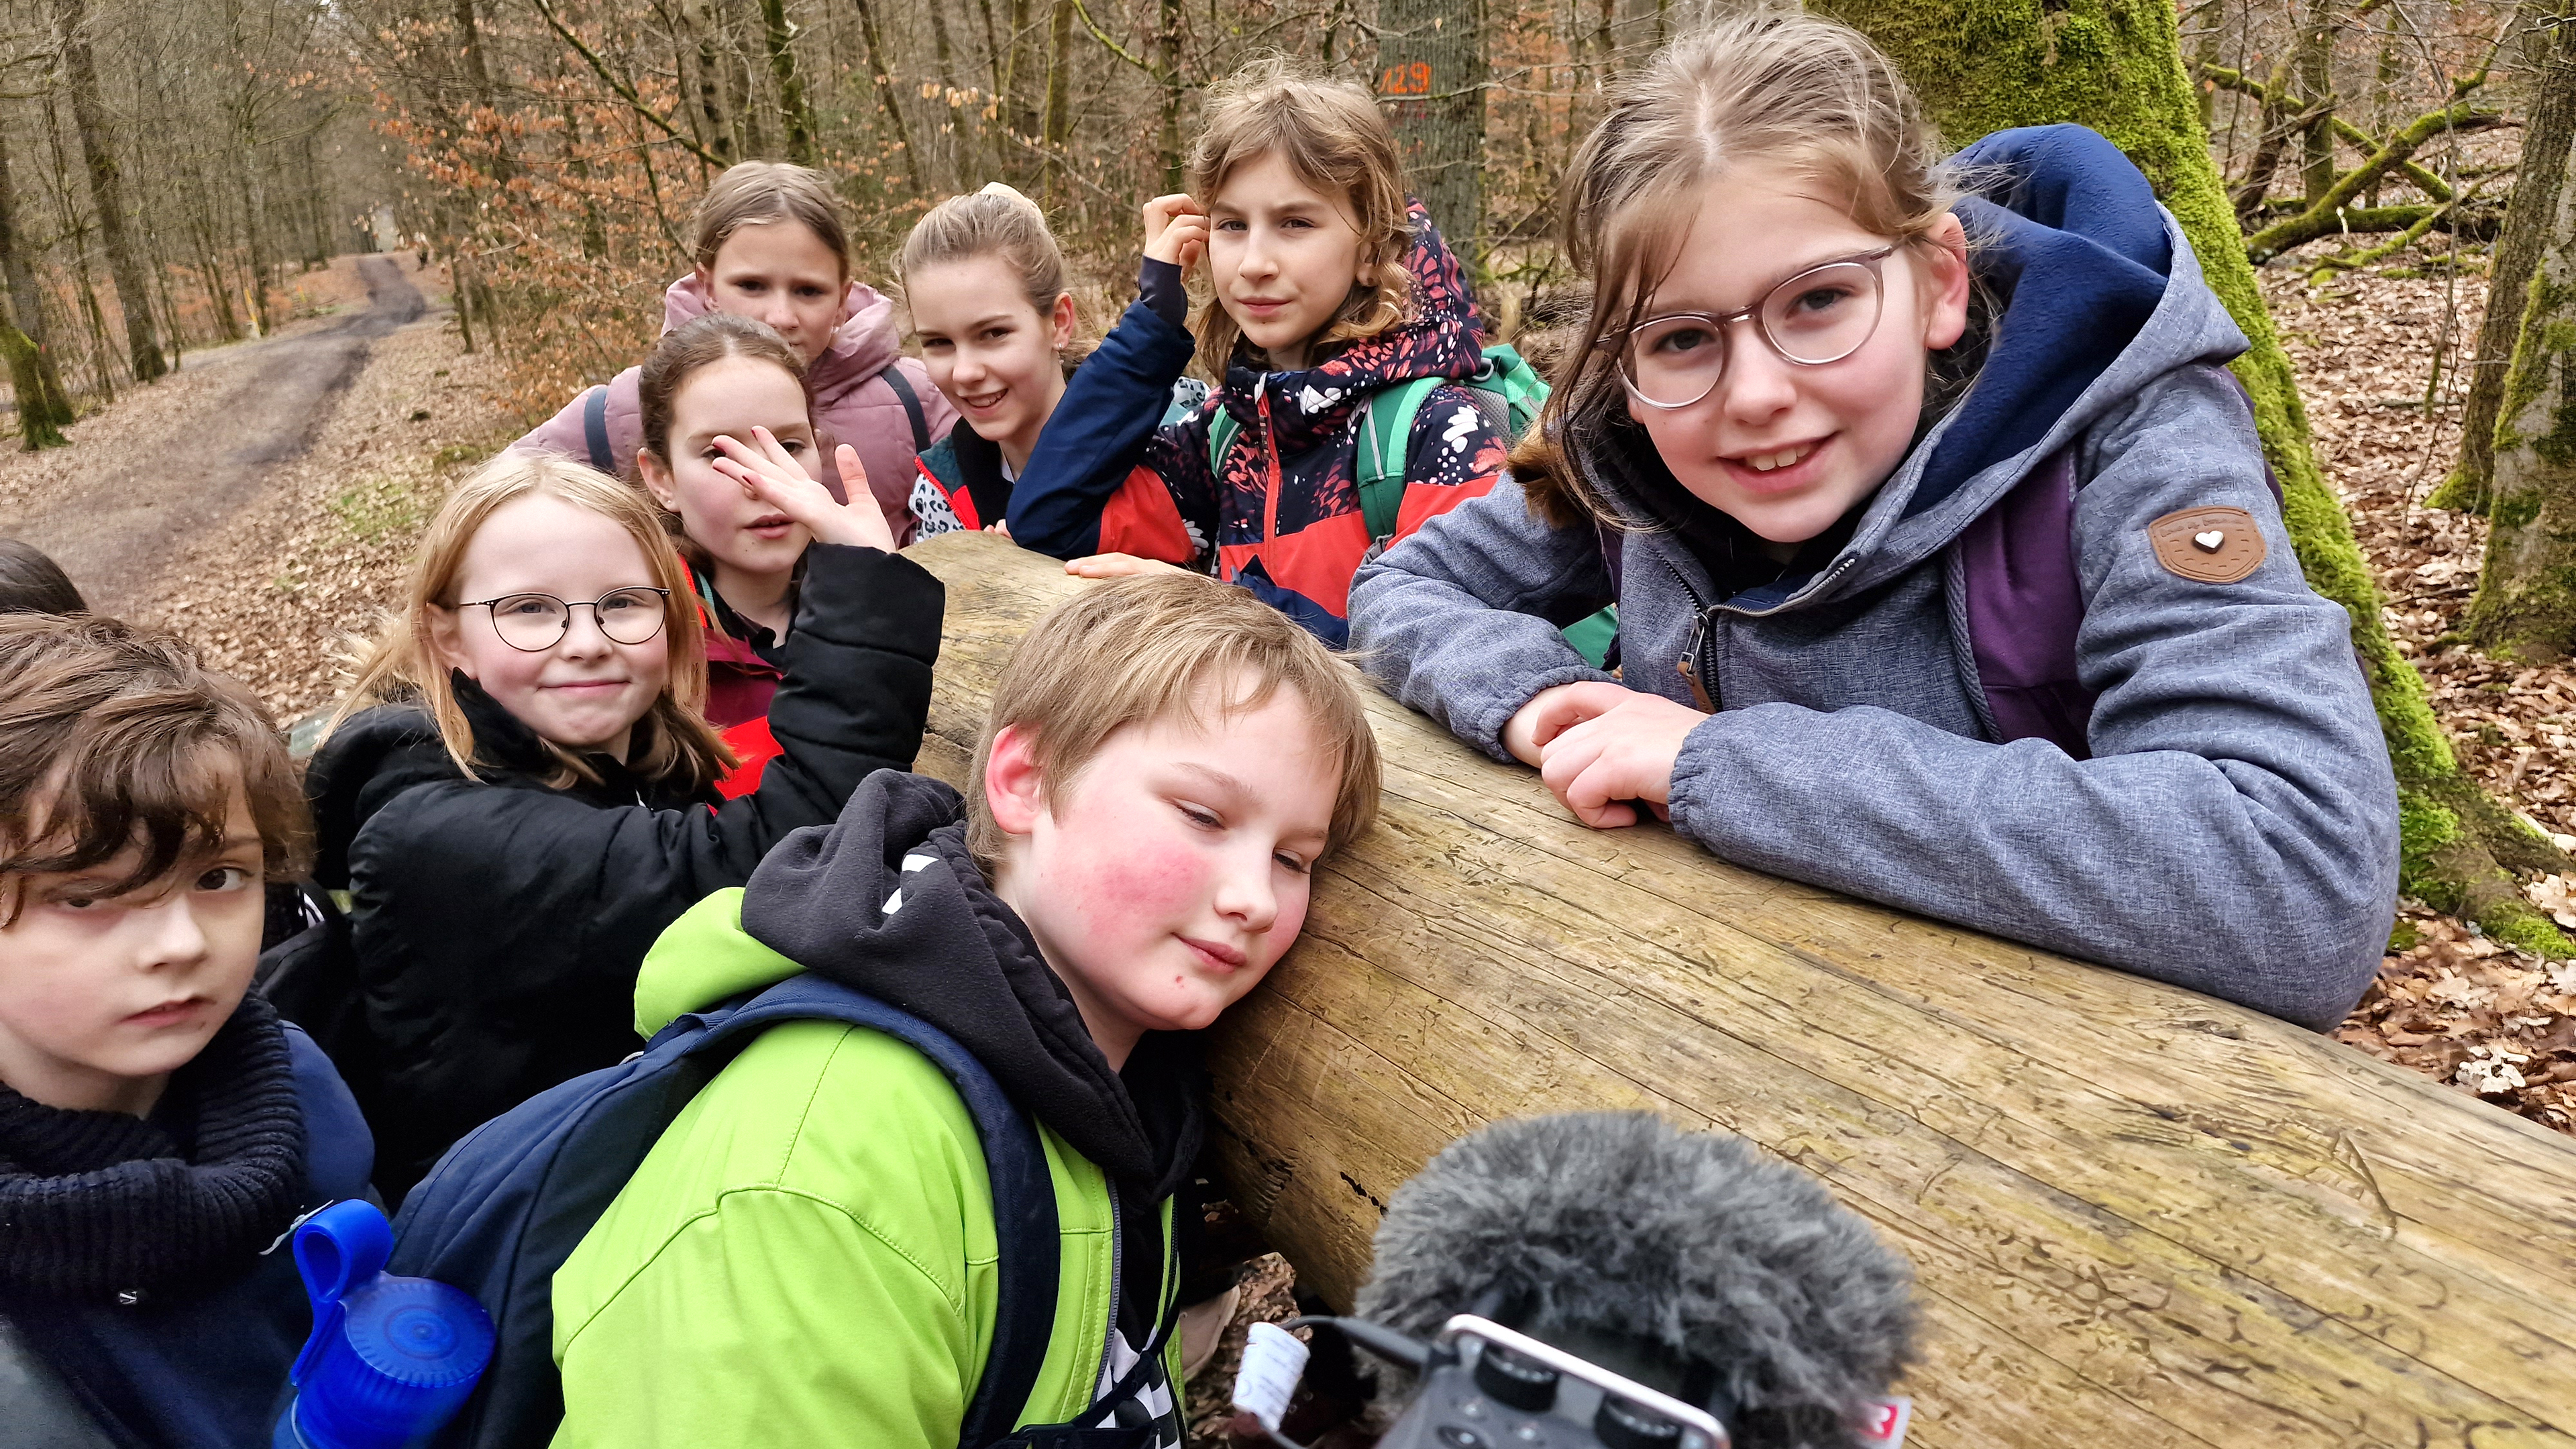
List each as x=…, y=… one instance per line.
x=2526, y=602
x=2117, y=66
x=36, y=423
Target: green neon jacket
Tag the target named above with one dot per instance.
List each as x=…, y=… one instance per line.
x=808, y=1255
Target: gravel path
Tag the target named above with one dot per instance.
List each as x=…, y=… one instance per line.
x=245, y=410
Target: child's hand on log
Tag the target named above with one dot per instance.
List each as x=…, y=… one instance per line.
x=770, y=473
x=1176, y=230
x=1600, y=746
x=1116, y=566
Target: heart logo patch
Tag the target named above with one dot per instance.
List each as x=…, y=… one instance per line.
x=2215, y=545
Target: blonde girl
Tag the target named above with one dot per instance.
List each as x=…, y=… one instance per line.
x=518, y=794
x=768, y=243
x=1329, y=286
x=1947, y=570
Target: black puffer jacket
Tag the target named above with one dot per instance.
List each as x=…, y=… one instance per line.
x=497, y=927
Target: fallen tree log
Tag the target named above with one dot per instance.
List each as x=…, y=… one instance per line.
x=2140, y=1216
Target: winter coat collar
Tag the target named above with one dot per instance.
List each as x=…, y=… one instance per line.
x=103, y=1203
x=887, y=900
x=1443, y=338
x=863, y=345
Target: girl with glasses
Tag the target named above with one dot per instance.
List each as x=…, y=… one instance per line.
x=1946, y=567
x=520, y=791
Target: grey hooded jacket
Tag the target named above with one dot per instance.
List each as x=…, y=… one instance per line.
x=2235, y=830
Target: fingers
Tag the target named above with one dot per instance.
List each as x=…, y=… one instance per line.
x=854, y=476
x=1582, y=775
x=1562, y=708
x=1105, y=566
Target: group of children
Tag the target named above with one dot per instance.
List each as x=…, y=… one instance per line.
x=1946, y=573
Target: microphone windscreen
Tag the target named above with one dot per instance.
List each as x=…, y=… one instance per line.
x=1694, y=1248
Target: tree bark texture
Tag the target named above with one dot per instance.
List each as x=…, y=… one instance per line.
x=878, y=65
x=2547, y=134
x=2138, y=1216
x=2526, y=600
x=43, y=406
x=125, y=268
x=2316, y=78
x=794, y=116
x=2116, y=65
x=1431, y=72
x=36, y=426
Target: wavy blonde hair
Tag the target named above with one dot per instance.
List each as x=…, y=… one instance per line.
x=1330, y=133
x=673, y=744
x=995, y=222
x=1769, y=87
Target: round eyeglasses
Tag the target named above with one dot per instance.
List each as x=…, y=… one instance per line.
x=1823, y=314
x=535, y=623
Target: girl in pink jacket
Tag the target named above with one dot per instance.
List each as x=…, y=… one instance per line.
x=770, y=246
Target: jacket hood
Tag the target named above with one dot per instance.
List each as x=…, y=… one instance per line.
x=1443, y=338
x=2093, y=292
x=888, y=901
x=864, y=345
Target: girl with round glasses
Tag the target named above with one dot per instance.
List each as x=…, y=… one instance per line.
x=521, y=790
x=1947, y=568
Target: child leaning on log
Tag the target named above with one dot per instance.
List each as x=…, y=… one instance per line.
x=1947, y=570
x=811, y=1254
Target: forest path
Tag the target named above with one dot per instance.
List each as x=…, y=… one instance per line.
x=244, y=411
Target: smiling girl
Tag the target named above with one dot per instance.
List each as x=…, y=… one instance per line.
x=770, y=246
x=1946, y=567
x=530, y=799
x=1329, y=288
x=986, y=285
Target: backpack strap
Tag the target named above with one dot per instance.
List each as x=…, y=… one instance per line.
x=903, y=393
x=1024, y=1216
x=1385, y=435
x=594, y=430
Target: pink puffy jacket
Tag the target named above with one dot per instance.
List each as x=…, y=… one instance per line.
x=854, y=401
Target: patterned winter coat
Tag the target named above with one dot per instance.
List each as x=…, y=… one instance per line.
x=1280, y=513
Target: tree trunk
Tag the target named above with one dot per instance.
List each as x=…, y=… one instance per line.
x=2526, y=602
x=42, y=403
x=1059, y=78
x=2138, y=1218
x=1167, y=46
x=875, y=43
x=2116, y=65
x=1431, y=71
x=2316, y=82
x=794, y=117
x=36, y=425
x=2546, y=136
x=106, y=191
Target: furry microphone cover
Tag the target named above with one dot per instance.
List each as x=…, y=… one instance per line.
x=1696, y=1247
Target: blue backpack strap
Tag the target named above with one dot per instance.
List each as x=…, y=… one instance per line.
x=1024, y=1216
x=2015, y=567
x=594, y=429
x=903, y=393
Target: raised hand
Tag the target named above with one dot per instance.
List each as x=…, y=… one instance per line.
x=1176, y=230
x=770, y=473
x=1119, y=566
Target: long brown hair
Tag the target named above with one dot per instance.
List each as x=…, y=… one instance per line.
x=995, y=222
x=673, y=743
x=1768, y=87
x=674, y=360
x=1330, y=133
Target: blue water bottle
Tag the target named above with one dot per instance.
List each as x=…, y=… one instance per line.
x=391, y=1359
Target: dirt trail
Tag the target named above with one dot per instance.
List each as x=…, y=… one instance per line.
x=116, y=531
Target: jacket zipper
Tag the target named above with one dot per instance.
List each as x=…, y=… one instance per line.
x=1270, y=454
x=1117, y=1266
x=1692, y=667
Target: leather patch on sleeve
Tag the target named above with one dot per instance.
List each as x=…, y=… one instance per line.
x=2207, y=545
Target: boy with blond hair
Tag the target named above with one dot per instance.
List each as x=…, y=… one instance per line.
x=807, y=1256
x=160, y=1128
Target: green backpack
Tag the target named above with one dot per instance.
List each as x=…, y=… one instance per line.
x=1507, y=390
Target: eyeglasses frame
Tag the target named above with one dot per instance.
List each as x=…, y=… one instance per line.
x=1753, y=314
x=568, y=606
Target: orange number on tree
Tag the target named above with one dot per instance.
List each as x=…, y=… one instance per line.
x=1413, y=79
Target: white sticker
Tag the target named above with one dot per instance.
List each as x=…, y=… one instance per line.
x=1273, y=1361
x=1886, y=1421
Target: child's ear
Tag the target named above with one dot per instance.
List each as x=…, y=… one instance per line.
x=1945, y=318
x=1060, y=322
x=657, y=479
x=446, y=638
x=1012, y=789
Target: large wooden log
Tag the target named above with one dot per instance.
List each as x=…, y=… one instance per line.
x=2140, y=1216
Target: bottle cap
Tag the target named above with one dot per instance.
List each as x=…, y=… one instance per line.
x=390, y=1358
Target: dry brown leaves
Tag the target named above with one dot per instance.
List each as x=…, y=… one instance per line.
x=2468, y=1012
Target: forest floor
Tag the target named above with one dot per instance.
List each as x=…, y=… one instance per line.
x=2373, y=349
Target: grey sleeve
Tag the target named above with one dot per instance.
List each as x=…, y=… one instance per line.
x=1454, y=619
x=2236, y=829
